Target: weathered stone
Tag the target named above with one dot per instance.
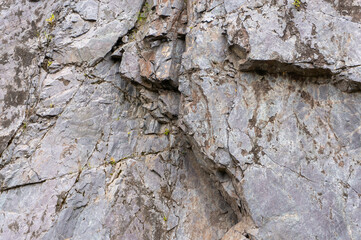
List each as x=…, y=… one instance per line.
x=88, y=9
x=170, y=103
x=117, y=54
x=77, y=25
x=175, y=119
x=146, y=68
x=129, y=67
x=290, y=37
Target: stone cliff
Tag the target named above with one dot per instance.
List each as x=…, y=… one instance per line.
x=180, y=119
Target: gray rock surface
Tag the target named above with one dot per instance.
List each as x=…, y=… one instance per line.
x=175, y=119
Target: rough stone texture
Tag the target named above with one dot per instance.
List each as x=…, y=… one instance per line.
x=276, y=32
x=176, y=119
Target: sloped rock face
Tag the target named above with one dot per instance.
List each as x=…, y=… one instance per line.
x=296, y=39
x=176, y=119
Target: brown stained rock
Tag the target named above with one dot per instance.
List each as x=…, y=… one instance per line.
x=146, y=68
x=164, y=71
x=244, y=230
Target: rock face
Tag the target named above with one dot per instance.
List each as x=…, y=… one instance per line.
x=174, y=119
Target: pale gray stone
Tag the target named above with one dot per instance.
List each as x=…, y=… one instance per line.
x=88, y=9
x=203, y=119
